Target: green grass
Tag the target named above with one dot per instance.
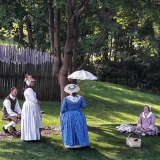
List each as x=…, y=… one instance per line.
x=108, y=106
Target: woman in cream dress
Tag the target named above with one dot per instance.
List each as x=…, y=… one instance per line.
x=31, y=121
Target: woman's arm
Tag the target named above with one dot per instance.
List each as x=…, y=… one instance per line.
x=31, y=95
x=63, y=108
x=153, y=121
x=83, y=103
x=140, y=121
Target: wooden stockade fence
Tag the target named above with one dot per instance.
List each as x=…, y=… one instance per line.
x=16, y=62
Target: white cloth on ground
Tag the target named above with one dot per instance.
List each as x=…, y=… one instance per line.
x=126, y=128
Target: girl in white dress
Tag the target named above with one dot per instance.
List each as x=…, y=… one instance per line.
x=31, y=119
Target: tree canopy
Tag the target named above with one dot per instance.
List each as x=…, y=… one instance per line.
x=121, y=36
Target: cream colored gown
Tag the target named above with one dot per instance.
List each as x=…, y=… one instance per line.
x=31, y=119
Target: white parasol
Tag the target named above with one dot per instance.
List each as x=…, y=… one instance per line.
x=82, y=75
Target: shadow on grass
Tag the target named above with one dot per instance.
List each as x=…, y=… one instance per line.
x=50, y=148
x=88, y=153
x=109, y=140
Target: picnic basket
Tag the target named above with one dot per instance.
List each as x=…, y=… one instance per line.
x=133, y=142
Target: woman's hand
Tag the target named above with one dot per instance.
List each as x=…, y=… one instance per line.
x=142, y=128
x=38, y=102
x=19, y=116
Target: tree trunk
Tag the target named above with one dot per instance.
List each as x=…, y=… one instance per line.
x=70, y=50
x=29, y=30
x=51, y=23
x=64, y=69
x=75, y=46
x=57, y=53
x=54, y=29
x=68, y=53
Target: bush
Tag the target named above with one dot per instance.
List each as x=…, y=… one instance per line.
x=102, y=71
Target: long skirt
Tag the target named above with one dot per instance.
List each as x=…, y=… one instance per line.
x=145, y=133
x=74, y=129
x=31, y=121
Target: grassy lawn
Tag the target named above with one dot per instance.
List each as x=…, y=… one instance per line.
x=108, y=106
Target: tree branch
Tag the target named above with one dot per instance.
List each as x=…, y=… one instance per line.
x=83, y=6
x=42, y=21
x=90, y=14
x=97, y=41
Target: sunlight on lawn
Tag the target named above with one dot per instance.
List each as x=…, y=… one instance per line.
x=135, y=102
x=120, y=117
x=108, y=106
x=104, y=98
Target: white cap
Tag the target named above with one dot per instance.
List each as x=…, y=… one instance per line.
x=148, y=106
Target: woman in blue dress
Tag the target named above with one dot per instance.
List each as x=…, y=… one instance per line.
x=73, y=121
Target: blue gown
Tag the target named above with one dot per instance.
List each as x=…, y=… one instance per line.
x=73, y=122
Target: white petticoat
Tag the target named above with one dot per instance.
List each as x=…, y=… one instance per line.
x=31, y=121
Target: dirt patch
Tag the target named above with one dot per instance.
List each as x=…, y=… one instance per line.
x=50, y=130
x=46, y=131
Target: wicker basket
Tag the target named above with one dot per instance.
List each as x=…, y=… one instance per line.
x=133, y=142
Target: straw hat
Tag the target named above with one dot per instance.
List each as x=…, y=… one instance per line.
x=71, y=88
x=29, y=78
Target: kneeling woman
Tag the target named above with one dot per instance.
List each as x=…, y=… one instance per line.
x=73, y=121
x=146, y=122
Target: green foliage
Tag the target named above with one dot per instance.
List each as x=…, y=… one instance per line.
x=102, y=72
x=130, y=40
x=146, y=30
x=14, y=18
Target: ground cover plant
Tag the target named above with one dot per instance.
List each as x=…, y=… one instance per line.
x=109, y=105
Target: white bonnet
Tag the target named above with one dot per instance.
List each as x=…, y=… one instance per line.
x=28, y=79
x=148, y=106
